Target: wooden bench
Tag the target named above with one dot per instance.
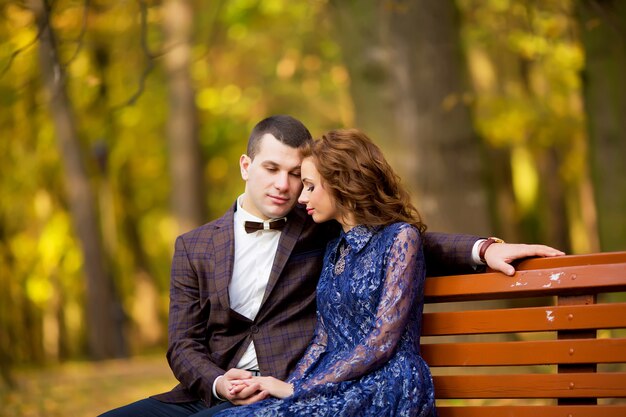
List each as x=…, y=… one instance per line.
x=559, y=350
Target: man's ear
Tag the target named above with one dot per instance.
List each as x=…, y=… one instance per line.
x=244, y=165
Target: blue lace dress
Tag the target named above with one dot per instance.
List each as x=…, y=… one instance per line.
x=364, y=359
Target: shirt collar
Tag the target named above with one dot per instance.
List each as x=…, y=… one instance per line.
x=241, y=215
x=358, y=236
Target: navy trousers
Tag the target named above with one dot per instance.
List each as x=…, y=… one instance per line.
x=150, y=407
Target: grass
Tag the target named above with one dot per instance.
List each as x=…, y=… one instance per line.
x=81, y=389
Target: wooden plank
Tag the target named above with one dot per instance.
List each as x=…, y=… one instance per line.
x=530, y=319
x=573, y=280
x=600, y=385
x=533, y=411
x=542, y=352
x=572, y=260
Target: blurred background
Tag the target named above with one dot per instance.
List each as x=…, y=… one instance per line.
x=122, y=123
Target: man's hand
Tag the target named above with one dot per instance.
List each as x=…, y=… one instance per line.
x=237, y=386
x=500, y=255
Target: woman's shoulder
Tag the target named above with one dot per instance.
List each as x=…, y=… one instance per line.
x=401, y=227
x=400, y=232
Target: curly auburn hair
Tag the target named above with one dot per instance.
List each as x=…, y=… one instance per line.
x=360, y=180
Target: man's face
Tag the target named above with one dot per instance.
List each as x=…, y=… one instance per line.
x=272, y=179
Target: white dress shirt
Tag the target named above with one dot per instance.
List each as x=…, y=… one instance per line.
x=475, y=252
x=254, y=257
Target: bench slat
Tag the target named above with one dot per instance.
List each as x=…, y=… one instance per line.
x=531, y=319
x=572, y=260
x=573, y=385
x=590, y=279
x=542, y=352
x=533, y=411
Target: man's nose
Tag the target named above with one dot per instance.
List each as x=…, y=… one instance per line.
x=282, y=182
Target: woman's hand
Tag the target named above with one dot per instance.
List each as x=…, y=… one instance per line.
x=237, y=386
x=274, y=387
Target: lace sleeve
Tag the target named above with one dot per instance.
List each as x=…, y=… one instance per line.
x=312, y=353
x=403, y=275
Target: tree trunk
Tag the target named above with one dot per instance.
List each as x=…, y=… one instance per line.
x=145, y=310
x=553, y=210
x=7, y=317
x=104, y=323
x=550, y=217
x=184, y=145
x=603, y=30
x=408, y=83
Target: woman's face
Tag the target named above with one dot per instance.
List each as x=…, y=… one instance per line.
x=319, y=203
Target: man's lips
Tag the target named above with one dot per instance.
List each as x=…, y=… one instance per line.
x=278, y=199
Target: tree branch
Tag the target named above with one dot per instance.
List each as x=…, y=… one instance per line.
x=81, y=35
x=19, y=51
x=148, y=54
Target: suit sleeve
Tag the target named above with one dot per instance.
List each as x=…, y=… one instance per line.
x=187, y=353
x=448, y=254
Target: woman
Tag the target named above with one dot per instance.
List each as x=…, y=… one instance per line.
x=364, y=358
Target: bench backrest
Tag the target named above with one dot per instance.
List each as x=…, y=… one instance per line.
x=560, y=350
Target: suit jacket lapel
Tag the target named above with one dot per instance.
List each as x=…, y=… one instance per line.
x=289, y=236
x=224, y=255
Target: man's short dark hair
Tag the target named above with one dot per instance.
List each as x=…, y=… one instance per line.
x=286, y=129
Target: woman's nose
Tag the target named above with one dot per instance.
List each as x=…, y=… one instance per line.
x=303, y=197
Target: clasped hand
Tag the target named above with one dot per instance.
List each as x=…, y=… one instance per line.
x=241, y=387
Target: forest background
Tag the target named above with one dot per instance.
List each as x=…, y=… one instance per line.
x=122, y=123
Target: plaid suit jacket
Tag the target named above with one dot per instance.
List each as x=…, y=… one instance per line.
x=207, y=337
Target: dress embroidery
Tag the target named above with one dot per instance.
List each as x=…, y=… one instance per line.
x=341, y=262
x=364, y=357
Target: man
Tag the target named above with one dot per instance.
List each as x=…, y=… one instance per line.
x=242, y=298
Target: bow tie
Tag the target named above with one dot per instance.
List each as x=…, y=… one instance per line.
x=276, y=224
